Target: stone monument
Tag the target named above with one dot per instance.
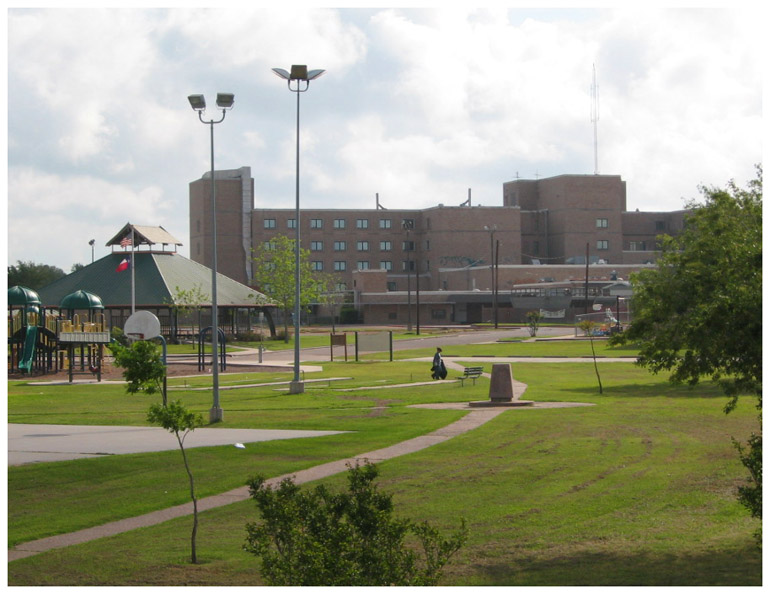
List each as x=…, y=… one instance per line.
x=501, y=392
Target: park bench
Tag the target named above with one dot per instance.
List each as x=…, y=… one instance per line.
x=470, y=373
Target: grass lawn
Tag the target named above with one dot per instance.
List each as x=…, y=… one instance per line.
x=637, y=490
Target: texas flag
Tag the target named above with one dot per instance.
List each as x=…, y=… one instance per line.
x=124, y=264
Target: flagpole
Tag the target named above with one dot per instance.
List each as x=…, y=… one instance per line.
x=133, y=275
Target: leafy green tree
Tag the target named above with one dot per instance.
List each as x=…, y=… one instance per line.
x=314, y=538
x=698, y=314
x=275, y=274
x=142, y=365
x=33, y=276
x=176, y=419
x=145, y=372
x=185, y=301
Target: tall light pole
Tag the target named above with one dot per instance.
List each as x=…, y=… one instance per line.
x=198, y=103
x=301, y=78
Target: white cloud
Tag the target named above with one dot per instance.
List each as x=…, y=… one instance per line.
x=52, y=217
x=417, y=105
x=268, y=37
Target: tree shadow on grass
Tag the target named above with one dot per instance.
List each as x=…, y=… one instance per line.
x=658, y=390
x=736, y=566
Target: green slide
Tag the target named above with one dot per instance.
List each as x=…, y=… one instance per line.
x=29, y=349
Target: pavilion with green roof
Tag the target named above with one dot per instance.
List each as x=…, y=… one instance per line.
x=174, y=288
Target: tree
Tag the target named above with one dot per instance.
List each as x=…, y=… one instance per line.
x=176, y=419
x=698, y=314
x=33, y=276
x=145, y=372
x=143, y=366
x=275, y=274
x=184, y=301
x=349, y=539
x=329, y=294
x=589, y=328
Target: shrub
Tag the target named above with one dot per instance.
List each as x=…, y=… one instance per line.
x=317, y=538
x=534, y=318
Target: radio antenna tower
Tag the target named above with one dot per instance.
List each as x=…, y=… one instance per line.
x=595, y=120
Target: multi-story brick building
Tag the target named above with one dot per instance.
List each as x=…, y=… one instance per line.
x=541, y=223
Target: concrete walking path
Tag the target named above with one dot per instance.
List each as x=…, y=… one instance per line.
x=473, y=419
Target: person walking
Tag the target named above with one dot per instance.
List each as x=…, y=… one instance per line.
x=438, y=369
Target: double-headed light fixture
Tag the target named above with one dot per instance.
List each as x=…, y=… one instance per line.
x=198, y=103
x=298, y=81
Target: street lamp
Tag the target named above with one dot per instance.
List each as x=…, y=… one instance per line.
x=198, y=103
x=301, y=78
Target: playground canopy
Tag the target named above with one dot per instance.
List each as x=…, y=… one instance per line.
x=22, y=296
x=81, y=300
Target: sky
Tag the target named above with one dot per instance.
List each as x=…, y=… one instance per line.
x=417, y=105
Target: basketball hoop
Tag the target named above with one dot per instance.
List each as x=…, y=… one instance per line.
x=142, y=325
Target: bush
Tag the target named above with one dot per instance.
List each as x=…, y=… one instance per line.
x=118, y=336
x=317, y=538
x=349, y=315
x=750, y=494
x=534, y=318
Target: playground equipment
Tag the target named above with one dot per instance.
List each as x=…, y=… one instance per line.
x=44, y=340
x=31, y=333
x=82, y=337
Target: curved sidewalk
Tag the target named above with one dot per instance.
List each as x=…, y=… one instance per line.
x=473, y=419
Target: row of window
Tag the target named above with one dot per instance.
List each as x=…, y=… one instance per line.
x=361, y=246
x=340, y=223
x=342, y=265
x=604, y=223
x=338, y=287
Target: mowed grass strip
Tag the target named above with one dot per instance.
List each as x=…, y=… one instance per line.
x=93, y=491
x=106, y=404
x=637, y=490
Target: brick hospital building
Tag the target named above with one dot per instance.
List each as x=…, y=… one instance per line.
x=542, y=230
